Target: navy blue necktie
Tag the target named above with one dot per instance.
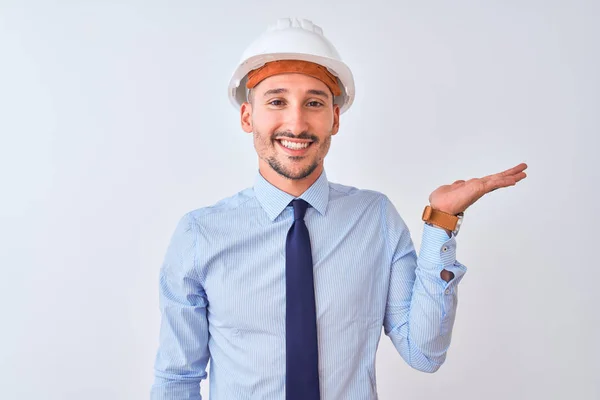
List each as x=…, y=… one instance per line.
x=302, y=364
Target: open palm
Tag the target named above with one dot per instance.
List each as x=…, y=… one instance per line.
x=457, y=197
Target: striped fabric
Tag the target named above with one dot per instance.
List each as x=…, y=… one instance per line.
x=222, y=294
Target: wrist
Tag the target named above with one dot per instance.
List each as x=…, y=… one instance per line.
x=439, y=227
x=443, y=220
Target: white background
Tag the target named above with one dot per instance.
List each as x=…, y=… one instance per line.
x=114, y=122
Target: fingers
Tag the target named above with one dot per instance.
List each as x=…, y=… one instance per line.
x=511, y=171
x=489, y=183
x=498, y=182
x=520, y=176
x=514, y=170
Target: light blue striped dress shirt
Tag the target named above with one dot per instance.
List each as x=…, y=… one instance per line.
x=222, y=294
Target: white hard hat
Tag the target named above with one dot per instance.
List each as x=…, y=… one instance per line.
x=292, y=39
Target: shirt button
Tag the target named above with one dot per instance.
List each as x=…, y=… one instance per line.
x=444, y=249
x=447, y=291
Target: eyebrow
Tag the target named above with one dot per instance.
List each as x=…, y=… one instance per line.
x=283, y=90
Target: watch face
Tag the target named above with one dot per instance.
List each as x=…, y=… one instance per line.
x=458, y=224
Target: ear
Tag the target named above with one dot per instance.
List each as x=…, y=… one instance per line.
x=336, y=119
x=246, y=117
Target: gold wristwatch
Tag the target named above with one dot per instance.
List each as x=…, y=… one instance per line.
x=443, y=220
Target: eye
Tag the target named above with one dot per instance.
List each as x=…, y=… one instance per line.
x=276, y=102
x=315, y=103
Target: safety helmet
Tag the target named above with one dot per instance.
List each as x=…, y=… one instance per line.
x=292, y=39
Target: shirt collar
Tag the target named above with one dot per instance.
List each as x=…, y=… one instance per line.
x=274, y=200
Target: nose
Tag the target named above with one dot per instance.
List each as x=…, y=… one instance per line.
x=296, y=120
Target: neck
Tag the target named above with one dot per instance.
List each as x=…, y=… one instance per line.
x=293, y=187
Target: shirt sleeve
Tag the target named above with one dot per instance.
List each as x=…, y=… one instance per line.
x=421, y=306
x=183, y=352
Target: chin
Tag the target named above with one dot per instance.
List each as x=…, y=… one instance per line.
x=300, y=174
x=293, y=170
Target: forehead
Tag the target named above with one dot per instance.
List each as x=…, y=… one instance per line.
x=292, y=82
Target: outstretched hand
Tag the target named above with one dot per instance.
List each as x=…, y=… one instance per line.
x=457, y=197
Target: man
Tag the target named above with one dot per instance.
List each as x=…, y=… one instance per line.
x=285, y=286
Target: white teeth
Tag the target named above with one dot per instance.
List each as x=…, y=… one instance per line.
x=293, y=145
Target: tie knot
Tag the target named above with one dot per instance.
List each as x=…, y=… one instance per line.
x=300, y=207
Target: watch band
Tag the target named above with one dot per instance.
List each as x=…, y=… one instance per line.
x=440, y=218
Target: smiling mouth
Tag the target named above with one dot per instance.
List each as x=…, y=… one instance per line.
x=294, y=145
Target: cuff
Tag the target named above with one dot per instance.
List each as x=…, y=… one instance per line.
x=437, y=248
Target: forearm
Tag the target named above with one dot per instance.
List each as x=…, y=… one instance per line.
x=182, y=354
x=446, y=275
x=174, y=388
x=420, y=322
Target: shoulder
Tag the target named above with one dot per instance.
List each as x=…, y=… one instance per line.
x=365, y=199
x=231, y=204
x=340, y=191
